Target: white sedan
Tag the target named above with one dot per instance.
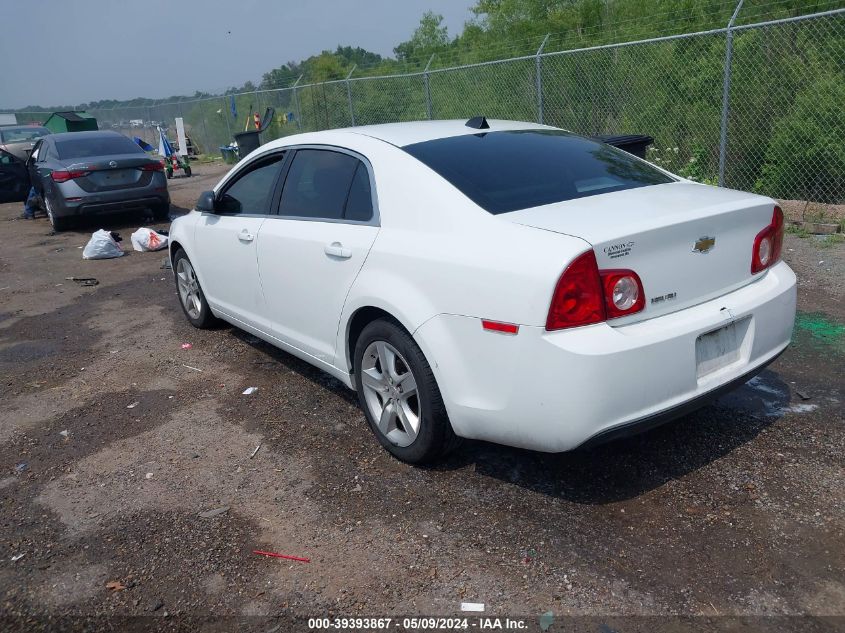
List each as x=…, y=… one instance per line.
x=498, y=280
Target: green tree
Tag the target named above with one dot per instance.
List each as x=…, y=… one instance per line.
x=428, y=37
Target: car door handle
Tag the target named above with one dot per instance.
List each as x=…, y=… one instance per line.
x=245, y=236
x=335, y=249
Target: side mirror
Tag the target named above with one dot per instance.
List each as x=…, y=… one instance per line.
x=205, y=203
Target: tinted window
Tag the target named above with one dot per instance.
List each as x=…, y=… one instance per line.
x=359, y=203
x=506, y=171
x=251, y=192
x=318, y=184
x=91, y=146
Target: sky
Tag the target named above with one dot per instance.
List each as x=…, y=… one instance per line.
x=54, y=52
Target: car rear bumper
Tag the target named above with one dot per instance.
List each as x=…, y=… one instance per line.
x=72, y=200
x=555, y=391
x=93, y=205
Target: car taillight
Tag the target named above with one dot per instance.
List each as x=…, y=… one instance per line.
x=156, y=166
x=585, y=295
x=63, y=176
x=623, y=292
x=578, y=298
x=768, y=244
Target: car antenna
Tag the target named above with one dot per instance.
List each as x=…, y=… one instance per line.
x=478, y=122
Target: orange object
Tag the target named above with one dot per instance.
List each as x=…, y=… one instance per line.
x=257, y=120
x=285, y=556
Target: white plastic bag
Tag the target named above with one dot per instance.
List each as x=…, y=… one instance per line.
x=102, y=246
x=148, y=240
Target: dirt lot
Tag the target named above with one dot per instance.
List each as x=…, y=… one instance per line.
x=734, y=510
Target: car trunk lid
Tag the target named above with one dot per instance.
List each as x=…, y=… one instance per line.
x=108, y=173
x=689, y=243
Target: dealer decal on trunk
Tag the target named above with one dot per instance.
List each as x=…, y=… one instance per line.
x=616, y=251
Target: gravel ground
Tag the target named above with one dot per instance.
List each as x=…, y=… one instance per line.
x=735, y=510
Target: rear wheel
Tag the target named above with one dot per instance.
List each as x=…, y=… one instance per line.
x=399, y=395
x=191, y=297
x=58, y=224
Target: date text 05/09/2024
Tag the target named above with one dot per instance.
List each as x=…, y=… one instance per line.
x=417, y=624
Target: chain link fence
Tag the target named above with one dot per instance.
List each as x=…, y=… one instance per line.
x=757, y=107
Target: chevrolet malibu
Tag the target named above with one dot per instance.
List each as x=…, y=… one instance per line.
x=498, y=280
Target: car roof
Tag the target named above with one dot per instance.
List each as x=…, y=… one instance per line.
x=63, y=136
x=410, y=132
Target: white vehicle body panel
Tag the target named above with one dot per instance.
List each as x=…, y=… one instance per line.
x=439, y=264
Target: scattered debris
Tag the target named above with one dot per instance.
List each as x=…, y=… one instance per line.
x=194, y=368
x=285, y=556
x=133, y=405
x=21, y=467
x=165, y=264
x=155, y=606
x=17, y=557
x=249, y=391
x=186, y=346
x=802, y=395
x=477, y=607
x=255, y=451
x=148, y=476
x=145, y=239
x=115, y=585
x=210, y=514
x=84, y=281
x=357, y=488
x=103, y=245
x=546, y=620
x=64, y=433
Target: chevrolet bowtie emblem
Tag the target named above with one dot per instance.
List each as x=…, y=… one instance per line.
x=704, y=244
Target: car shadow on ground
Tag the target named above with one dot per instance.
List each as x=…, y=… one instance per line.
x=611, y=472
x=85, y=225
x=629, y=467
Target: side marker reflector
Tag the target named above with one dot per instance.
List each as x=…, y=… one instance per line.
x=502, y=328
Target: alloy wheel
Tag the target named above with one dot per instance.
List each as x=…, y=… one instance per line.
x=189, y=288
x=390, y=392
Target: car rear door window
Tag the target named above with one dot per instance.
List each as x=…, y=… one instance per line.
x=327, y=185
x=359, y=203
x=252, y=190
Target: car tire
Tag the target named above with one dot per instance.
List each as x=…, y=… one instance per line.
x=190, y=294
x=58, y=224
x=411, y=423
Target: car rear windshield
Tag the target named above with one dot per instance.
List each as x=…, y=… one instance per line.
x=507, y=171
x=91, y=146
x=21, y=134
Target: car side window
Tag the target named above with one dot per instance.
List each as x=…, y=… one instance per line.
x=250, y=193
x=359, y=203
x=320, y=184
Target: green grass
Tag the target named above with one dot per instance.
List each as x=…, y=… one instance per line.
x=832, y=240
x=798, y=230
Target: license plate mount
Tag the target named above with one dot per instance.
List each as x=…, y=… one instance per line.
x=720, y=348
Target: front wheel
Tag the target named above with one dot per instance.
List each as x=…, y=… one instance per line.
x=191, y=297
x=399, y=395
